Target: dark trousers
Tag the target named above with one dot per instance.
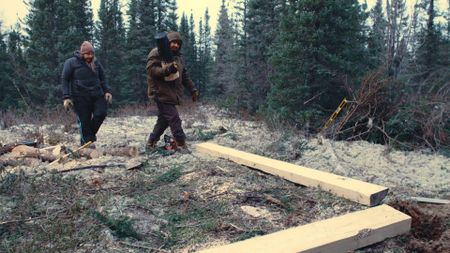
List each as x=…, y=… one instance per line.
x=91, y=111
x=167, y=117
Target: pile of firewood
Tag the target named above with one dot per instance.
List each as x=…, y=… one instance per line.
x=28, y=153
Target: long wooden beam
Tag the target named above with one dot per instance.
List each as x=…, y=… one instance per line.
x=352, y=189
x=341, y=234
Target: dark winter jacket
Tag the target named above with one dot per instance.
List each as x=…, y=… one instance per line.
x=169, y=92
x=78, y=79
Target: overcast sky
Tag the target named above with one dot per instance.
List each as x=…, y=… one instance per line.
x=10, y=10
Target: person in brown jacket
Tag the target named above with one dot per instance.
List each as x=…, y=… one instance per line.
x=167, y=91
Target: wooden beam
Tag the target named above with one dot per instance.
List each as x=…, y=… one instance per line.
x=341, y=234
x=352, y=189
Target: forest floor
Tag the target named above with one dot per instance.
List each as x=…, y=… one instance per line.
x=187, y=202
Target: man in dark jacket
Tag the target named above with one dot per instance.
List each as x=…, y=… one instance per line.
x=167, y=91
x=85, y=89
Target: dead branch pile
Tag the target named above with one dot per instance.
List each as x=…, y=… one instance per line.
x=388, y=111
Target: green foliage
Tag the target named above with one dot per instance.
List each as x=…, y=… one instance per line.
x=170, y=176
x=249, y=234
x=222, y=76
x=201, y=135
x=110, y=33
x=319, y=48
x=122, y=226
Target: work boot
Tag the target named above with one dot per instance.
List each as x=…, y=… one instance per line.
x=182, y=147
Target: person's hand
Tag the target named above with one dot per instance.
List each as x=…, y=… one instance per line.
x=171, y=68
x=68, y=104
x=195, y=96
x=108, y=97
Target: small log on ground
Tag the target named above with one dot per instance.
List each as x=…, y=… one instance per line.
x=26, y=151
x=123, y=151
x=89, y=153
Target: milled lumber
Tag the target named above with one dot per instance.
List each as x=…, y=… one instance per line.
x=352, y=189
x=340, y=234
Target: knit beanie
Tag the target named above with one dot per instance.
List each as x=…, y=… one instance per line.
x=86, y=47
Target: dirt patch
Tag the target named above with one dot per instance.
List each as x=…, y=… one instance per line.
x=430, y=230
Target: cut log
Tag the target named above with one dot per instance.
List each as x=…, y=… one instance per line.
x=89, y=153
x=355, y=190
x=123, y=151
x=26, y=151
x=7, y=148
x=10, y=146
x=341, y=234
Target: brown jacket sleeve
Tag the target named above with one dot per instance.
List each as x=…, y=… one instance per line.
x=154, y=67
x=187, y=82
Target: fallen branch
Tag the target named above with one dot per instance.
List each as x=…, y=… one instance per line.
x=21, y=220
x=431, y=200
x=101, y=166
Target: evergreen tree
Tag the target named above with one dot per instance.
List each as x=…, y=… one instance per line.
x=222, y=78
x=189, y=48
x=428, y=51
x=55, y=29
x=44, y=29
x=261, y=28
x=377, y=35
x=140, y=40
x=111, y=39
x=204, y=53
x=172, y=17
x=6, y=73
x=191, y=52
x=75, y=26
x=243, y=90
x=320, y=47
x=15, y=45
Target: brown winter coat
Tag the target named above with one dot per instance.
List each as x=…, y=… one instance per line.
x=169, y=92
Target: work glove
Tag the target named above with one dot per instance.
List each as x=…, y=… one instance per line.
x=171, y=68
x=195, y=96
x=68, y=104
x=108, y=97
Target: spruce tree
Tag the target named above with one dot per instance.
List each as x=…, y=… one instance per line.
x=261, y=28
x=44, y=29
x=172, y=17
x=428, y=51
x=6, y=73
x=15, y=45
x=320, y=47
x=140, y=40
x=377, y=36
x=223, y=74
x=204, y=53
x=111, y=44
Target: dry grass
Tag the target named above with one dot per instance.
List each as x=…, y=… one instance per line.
x=169, y=206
